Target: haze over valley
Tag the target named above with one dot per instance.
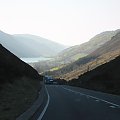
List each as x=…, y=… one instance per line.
x=92, y=65
x=59, y=60
x=30, y=46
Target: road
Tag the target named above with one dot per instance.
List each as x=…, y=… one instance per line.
x=72, y=103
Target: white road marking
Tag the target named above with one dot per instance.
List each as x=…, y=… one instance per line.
x=116, y=105
x=97, y=100
x=112, y=106
x=45, y=108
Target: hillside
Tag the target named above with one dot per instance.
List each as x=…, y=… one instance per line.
x=13, y=67
x=104, y=78
x=73, y=53
x=27, y=46
x=60, y=63
x=89, y=65
x=105, y=53
x=112, y=45
x=19, y=85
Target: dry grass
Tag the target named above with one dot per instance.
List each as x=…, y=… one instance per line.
x=91, y=65
x=17, y=97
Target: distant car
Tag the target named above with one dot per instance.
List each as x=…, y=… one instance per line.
x=48, y=80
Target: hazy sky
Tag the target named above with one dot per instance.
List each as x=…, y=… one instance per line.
x=69, y=22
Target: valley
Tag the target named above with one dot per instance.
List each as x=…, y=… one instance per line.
x=93, y=65
x=30, y=46
x=68, y=69
x=59, y=60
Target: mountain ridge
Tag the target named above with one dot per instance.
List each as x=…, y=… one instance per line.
x=108, y=51
x=60, y=63
x=99, y=56
x=29, y=45
x=87, y=47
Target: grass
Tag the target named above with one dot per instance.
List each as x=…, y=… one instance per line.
x=91, y=65
x=57, y=68
x=78, y=56
x=17, y=97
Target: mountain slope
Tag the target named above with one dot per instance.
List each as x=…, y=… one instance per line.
x=30, y=45
x=73, y=53
x=108, y=47
x=112, y=45
x=105, y=53
x=60, y=63
x=19, y=85
x=13, y=67
x=43, y=46
x=104, y=78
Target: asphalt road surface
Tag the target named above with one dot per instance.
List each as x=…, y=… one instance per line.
x=72, y=103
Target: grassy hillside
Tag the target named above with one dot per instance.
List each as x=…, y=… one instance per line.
x=30, y=45
x=104, y=78
x=19, y=85
x=70, y=55
x=73, y=53
x=112, y=45
x=105, y=53
x=90, y=65
x=41, y=46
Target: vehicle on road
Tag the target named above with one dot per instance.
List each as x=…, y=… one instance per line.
x=49, y=80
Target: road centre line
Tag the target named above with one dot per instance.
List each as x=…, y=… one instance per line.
x=116, y=105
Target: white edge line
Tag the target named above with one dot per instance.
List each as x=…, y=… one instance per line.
x=46, y=106
x=92, y=97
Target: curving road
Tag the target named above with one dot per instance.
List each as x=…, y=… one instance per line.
x=72, y=103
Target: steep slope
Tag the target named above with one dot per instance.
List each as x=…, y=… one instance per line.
x=59, y=65
x=13, y=67
x=105, y=53
x=73, y=53
x=110, y=48
x=42, y=46
x=30, y=45
x=19, y=85
x=112, y=45
x=104, y=78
